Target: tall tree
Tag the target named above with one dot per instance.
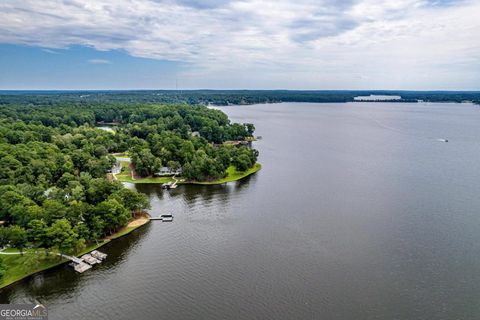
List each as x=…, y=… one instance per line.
x=62, y=236
x=18, y=238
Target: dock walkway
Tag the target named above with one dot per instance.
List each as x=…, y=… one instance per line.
x=86, y=262
x=163, y=218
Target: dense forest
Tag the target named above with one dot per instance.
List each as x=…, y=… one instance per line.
x=55, y=191
x=224, y=97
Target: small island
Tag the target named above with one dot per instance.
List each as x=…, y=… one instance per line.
x=64, y=164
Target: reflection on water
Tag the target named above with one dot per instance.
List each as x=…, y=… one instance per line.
x=357, y=213
x=191, y=193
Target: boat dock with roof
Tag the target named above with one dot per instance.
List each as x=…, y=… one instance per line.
x=163, y=218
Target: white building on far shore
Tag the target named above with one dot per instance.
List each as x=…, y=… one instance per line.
x=374, y=97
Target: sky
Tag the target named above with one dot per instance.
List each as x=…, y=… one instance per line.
x=240, y=44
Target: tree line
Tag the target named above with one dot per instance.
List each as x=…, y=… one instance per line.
x=223, y=97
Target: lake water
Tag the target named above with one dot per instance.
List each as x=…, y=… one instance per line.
x=359, y=212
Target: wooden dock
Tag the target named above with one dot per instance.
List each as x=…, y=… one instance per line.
x=86, y=261
x=170, y=185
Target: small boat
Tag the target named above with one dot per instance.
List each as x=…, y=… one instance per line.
x=166, y=186
x=166, y=217
x=442, y=140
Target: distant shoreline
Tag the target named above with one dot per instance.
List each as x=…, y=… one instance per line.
x=225, y=97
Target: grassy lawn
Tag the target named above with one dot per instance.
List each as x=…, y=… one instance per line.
x=21, y=266
x=232, y=175
x=126, y=176
x=121, y=154
x=122, y=232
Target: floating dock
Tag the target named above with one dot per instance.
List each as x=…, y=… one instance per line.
x=167, y=217
x=90, y=260
x=81, y=267
x=86, y=261
x=163, y=218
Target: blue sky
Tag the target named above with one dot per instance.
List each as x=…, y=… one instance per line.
x=240, y=44
x=80, y=67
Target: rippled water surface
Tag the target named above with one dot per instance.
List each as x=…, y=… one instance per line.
x=359, y=212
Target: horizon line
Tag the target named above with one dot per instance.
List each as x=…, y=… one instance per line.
x=204, y=89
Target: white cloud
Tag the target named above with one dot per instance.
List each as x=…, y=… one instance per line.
x=50, y=51
x=278, y=43
x=99, y=61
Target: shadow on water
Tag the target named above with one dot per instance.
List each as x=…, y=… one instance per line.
x=62, y=282
x=191, y=194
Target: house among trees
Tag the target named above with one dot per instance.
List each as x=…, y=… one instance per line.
x=117, y=168
x=167, y=171
x=238, y=143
